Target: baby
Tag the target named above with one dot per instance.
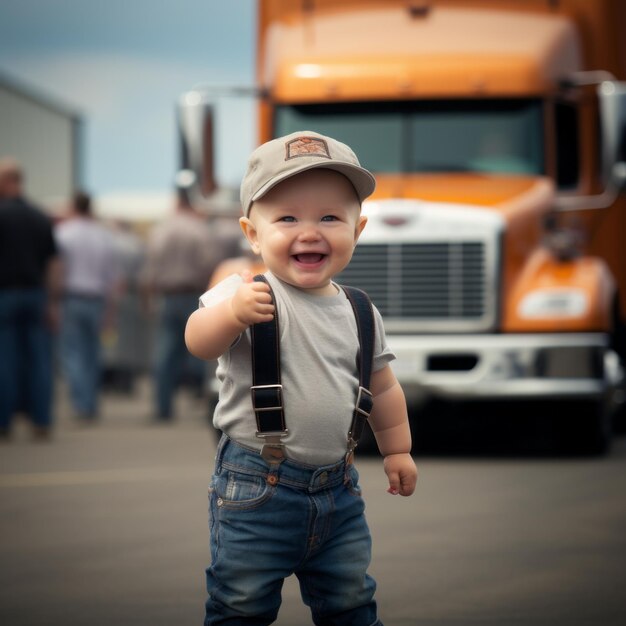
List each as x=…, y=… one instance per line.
x=289, y=501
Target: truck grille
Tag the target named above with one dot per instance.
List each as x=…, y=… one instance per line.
x=423, y=281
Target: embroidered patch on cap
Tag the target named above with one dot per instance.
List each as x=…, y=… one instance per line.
x=306, y=146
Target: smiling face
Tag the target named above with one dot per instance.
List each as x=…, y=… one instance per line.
x=305, y=229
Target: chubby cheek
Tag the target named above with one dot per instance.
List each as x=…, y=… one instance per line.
x=283, y=241
x=346, y=243
x=276, y=245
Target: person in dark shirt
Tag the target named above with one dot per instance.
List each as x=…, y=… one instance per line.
x=29, y=278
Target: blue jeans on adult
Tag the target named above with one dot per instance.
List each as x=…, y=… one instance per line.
x=80, y=350
x=171, y=354
x=25, y=356
x=267, y=524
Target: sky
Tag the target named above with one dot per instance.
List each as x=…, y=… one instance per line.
x=122, y=65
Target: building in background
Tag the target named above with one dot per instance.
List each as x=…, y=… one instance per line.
x=46, y=138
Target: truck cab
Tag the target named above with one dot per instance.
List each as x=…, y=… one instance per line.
x=495, y=131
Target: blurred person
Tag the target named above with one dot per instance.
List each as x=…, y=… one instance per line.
x=245, y=261
x=90, y=276
x=29, y=290
x=126, y=344
x=130, y=254
x=181, y=254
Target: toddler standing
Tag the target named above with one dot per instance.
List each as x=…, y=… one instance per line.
x=289, y=501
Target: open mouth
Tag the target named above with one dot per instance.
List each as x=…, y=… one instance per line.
x=309, y=258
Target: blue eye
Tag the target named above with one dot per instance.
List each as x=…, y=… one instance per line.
x=329, y=218
x=287, y=218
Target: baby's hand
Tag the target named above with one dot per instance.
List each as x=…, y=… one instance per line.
x=402, y=474
x=252, y=302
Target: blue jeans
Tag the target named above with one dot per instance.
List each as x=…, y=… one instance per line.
x=172, y=356
x=25, y=356
x=267, y=524
x=80, y=350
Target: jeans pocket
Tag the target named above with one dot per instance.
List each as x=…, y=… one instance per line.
x=237, y=490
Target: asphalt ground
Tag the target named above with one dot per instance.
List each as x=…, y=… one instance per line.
x=107, y=524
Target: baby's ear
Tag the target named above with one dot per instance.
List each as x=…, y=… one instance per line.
x=360, y=225
x=250, y=232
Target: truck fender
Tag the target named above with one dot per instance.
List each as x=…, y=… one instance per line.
x=552, y=295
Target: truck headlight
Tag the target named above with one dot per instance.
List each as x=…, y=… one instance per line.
x=553, y=303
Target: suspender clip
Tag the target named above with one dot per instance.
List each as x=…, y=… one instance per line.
x=273, y=450
x=352, y=444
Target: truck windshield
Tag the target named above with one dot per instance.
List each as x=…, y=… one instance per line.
x=500, y=136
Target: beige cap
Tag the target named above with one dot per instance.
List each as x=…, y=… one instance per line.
x=281, y=158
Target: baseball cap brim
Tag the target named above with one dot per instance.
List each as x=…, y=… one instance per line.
x=362, y=181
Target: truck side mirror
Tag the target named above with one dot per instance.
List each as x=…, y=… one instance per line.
x=199, y=130
x=612, y=102
x=195, y=122
x=612, y=107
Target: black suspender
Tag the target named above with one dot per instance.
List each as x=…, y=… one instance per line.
x=267, y=392
x=362, y=307
x=267, y=397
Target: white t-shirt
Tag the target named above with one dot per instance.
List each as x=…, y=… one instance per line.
x=88, y=253
x=319, y=346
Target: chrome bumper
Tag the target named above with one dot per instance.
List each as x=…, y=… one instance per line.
x=505, y=366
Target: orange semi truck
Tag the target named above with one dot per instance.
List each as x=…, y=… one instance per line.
x=496, y=129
